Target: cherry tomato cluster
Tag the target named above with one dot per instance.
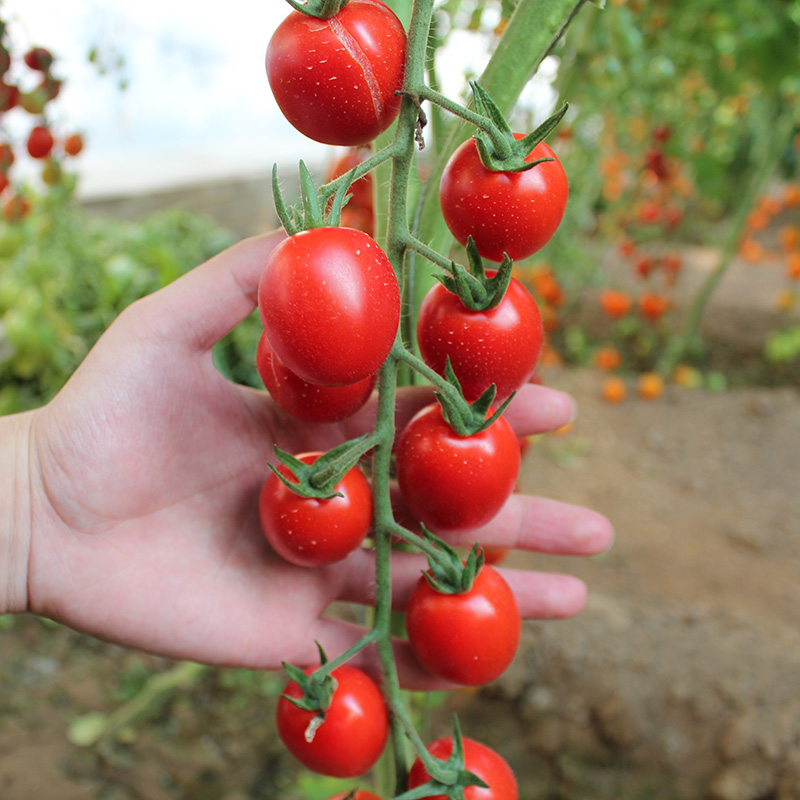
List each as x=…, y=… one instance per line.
x=330, y=302
x=40, y=142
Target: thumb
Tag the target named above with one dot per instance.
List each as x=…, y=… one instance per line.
x=205, y=304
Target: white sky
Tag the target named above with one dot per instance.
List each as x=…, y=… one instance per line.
x=198, y=102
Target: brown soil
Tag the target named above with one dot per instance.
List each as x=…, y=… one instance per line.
x=680, y=681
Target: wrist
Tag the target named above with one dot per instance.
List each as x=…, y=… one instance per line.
x=15, y=511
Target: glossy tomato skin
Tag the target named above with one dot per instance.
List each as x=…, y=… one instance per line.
x=455, y=483
x=311, y=532
x=359, y=794
x=353, y=735
x=335, y=80
x=504, y=212
x=467, y=638
x=306, y=401
x=501, y=345
x=479, y=759
x=330, y=305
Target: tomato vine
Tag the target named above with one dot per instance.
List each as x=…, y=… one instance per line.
x=484, y=461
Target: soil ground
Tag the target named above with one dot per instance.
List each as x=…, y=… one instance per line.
x=680, y=681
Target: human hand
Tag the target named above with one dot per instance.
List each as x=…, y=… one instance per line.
x=146, y=470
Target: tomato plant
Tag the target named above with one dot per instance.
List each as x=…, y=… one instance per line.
x=514, y=213
x=479, y=759
x=455, y=483
x=329, y=301
x=315, y=532
x=345, y=739
x=336, y=79
x=306, y=401
x=500, y=345
x=468, y=637
x=330, y=305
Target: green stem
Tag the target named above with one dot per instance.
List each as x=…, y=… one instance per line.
x=327, y=668
x=414, y=244
x=418, y=365
x=501, y=145
x=329, y=189
x=384, y=520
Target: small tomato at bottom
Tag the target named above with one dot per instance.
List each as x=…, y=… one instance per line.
x=353, y=734
x=468, y=638
x=310, y=532
x=479, y=759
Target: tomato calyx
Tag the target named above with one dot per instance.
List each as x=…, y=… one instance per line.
x=315, y=213
x=467, y=419
x=319, y=479
x=476, y=290
x=317, y=688
x=499, y=149
x=447, y=777
x=321, y=9
x=447, y=574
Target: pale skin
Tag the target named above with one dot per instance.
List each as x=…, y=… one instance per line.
x=128, y=504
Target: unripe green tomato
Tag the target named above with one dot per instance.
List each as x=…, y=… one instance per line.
x=11, y=240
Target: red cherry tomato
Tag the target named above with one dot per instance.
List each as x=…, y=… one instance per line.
x=359, y=794
x=479, y=759
x=330, y=305
x=455, y=483
x=467, y=638
x=353, y=734
x=311, y=532
x=40, y=142
x=501, y=345
x=306, y=401
x=335, y=79
x=504, y=212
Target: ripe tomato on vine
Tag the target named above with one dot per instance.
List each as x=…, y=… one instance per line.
x=336, y=80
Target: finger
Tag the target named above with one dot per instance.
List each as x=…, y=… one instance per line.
x=206, y=303
x=534, y=409
x=540, y=595
x=538, y=409
x=542, y=525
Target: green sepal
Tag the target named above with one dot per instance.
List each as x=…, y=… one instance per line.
x=476, y=291
x=319, y=480
x=313, y=213
x=499, y=150
x=446, y=573
x=317, y=689
x=454, y=778
x=467, y=419
x=321, y=9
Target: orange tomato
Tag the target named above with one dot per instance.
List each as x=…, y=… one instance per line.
x=650, y=385
x=653, y=306
x=613, y=389
x=615, y=303
x=607, y=358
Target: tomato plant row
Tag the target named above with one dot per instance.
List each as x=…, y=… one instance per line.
x=330, y=300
